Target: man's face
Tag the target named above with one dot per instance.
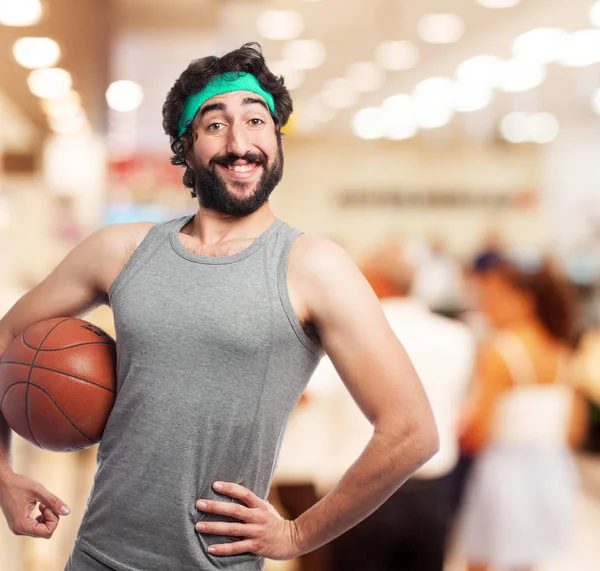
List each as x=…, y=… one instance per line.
x=237, y=156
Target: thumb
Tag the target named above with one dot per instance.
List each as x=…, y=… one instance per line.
x=53, y=502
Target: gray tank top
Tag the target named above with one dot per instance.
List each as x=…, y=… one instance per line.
x=211, y=362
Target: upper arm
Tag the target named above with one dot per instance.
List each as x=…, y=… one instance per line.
x=578, y=427
x=355, y=333
x=79, y=283
x=492, y=378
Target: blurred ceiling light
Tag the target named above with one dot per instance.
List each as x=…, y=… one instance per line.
x=580, y=49
x=68, y=125
x=400, y=117
x=64, y=106
x=397, y=55
x=34, y=53
x=479, y=70
x=594, y=14
x=366, y=76
x=50, y=82
x=294, y=78
x=543, y=128
x=20, y=12
x=369, y=123
x=280, y=24
x=498, y=4
x=304, y=54
x=399, y=131
x=124, y=95
x=339, y=93
x=400, y=105
x=541, y=45
x=517, y=75
x=435, y=92
x=433, y=117
x=595, y=99
x=514, y=127
x=470, y=97
x=434, y=101
x=441, y=28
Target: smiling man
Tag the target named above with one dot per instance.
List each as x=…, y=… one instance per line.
x=221, y=319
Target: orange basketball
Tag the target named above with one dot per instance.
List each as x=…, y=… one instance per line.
x=58, y=382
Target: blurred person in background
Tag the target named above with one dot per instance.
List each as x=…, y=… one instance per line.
x=221, y=317
x=438, y=278
x=522, y=420
x=410, y=531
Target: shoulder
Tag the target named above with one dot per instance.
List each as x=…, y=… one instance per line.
x=456, y=330
x=327, y=281
x=119, y=239
x=318, y=259
x=126, y=231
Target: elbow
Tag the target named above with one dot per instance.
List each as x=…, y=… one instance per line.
x=418, y=444
x=426, y=441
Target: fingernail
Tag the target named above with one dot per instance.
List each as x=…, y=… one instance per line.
x=217, y=486
x=211, y=549
x=201, y=505
x=65, y=510
x=200, y=527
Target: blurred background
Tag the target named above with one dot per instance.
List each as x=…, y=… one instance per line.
x=453, y=128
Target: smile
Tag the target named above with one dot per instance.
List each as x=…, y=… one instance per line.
x=241, y=170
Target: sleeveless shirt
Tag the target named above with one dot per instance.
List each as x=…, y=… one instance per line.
x=211, y=361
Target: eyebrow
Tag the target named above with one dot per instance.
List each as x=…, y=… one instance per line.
x=213, y=107
x=253, y=100
x=222, y=107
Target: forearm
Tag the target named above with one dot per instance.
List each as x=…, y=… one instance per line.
x=5, y=445
x=6, y=337
x=386, y=463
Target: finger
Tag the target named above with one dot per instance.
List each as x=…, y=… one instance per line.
x=50, y=500
x=246, y=546
x=231, y=529
x=235, y=511
x=36, y=528
x=238, y=492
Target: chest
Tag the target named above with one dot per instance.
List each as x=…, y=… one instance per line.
x=189, y=310
x=229, y=248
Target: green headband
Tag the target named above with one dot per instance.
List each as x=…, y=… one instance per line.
x=225, y=83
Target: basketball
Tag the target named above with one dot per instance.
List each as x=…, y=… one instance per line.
x=58, y=383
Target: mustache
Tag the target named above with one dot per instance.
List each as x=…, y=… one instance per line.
x=230, y=158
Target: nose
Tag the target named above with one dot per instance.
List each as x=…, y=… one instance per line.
x=238, y=142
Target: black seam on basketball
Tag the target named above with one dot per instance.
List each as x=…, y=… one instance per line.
x=69, y=347
x=29, y=378
x=58, y=372
x=57, y=406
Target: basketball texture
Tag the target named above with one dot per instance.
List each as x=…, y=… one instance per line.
x=58, y=382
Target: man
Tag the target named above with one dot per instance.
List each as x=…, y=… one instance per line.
x=221, y=318
x=411, y=529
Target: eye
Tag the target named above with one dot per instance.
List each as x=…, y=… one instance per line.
x=256, y=122
x=215, y=127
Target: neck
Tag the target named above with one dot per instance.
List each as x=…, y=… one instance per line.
x=212, y=227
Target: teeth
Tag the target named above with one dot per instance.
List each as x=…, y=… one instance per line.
x=241, y=168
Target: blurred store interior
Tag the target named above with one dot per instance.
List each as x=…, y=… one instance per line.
x=449, y=127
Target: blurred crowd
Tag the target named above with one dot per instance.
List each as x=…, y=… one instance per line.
x=508, y=349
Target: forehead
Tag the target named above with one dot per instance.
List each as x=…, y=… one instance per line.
x=234, y=100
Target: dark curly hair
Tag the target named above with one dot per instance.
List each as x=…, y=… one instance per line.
x=248, y=59
x=554, y=296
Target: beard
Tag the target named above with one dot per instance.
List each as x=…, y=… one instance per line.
x=212, y=190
